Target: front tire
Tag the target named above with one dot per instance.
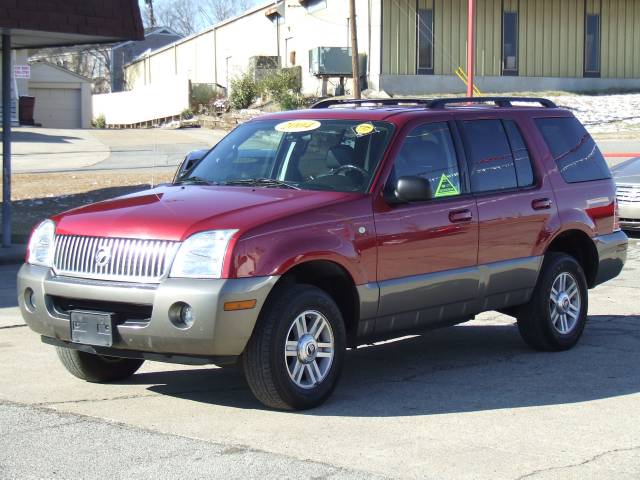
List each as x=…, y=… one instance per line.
x=295, y=355
x=96, y=368
x=556, y=315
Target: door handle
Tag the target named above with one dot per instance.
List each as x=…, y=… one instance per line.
x=541, y=204
x=460, y=216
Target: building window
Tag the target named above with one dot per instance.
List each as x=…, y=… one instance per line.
x=425, y=41
x=592, y=45
x=510, y=43
x=314, y=5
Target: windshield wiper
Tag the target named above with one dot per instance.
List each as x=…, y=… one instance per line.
x=194, y=181
x=262, y=182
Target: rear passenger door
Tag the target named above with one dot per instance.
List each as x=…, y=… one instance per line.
x=515, y=203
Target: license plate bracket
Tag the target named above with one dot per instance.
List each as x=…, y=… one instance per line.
x=92, y=328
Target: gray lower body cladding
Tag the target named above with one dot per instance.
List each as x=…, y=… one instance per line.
x=144, y=322
x=449, y=297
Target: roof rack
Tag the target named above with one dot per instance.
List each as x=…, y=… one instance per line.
x=498, y=101
x=330, y=102
x=502, y=102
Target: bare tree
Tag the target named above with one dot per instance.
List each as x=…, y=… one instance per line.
x=91, y=61
x=219, y=10
x=181, y=16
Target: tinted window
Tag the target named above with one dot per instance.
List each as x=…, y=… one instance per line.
x=521, y=158
x=339, y=155
x=592, y=45
x=575, y=152
x=425, y=41
x=510, y=43
x=491, y=165
x=428, y=152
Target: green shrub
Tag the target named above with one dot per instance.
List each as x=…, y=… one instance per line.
x=186, y=114
x=99, y=122
x=244, y=91
x=290, y=101
x=284, y=87
x=202, y=94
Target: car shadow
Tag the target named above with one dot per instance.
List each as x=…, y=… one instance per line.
x=460, y=369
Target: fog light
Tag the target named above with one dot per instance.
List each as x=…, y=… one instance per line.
x=186, y=315
x=182, y=315
x=30, y=299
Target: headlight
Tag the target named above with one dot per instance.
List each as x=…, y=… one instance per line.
x=42, y=244
x=202, y=254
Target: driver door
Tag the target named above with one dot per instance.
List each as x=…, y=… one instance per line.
x=427, y=251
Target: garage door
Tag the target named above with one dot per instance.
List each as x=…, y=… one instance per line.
x=57, y=107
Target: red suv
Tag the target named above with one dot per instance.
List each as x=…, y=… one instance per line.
x=305, y=233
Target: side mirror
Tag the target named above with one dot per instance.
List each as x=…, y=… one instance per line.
x=412, y=189
x=189, y=162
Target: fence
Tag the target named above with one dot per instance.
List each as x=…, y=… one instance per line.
x=147, y=104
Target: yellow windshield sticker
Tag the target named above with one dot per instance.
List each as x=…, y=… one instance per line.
x=446, y=188
x=364, y=129
x=295, y=126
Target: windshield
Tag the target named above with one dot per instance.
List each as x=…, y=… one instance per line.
x=339, y=155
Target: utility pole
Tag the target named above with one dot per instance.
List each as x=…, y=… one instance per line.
x=152, y=17
x=471, y=46
x=355, y=66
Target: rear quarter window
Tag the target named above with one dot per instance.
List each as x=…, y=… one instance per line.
x=576, y=154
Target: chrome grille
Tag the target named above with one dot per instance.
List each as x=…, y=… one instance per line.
x=628, y=193
x=121, y=259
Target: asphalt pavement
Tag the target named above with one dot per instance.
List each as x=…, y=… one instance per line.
x=43, y=150
x=467, y=402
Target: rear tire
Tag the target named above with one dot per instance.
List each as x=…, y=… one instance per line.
x=295, y=355
x=96, y=368
x=556, y=315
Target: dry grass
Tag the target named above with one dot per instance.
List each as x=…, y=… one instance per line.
x=41, y=195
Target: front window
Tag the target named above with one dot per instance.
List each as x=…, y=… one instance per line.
x=338, y=155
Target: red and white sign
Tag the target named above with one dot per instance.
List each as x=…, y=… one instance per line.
x=22, y=71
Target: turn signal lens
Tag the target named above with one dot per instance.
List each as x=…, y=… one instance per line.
x=241, y=305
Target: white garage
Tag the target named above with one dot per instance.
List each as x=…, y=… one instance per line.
x=62, y=98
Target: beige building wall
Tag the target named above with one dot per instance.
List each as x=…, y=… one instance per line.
x=620, y=56
x=222, y=53
x=304, y=30
x=550, y=36
x=238, y=40
x=216, y=55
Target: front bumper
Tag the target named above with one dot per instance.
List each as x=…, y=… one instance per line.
x=629, y=213
x=214, y=333
x=612, y=254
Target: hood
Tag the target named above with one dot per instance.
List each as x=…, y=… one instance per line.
x=627, y=172
x=175, y=212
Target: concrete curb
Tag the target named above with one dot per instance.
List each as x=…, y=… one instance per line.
x=13, y=254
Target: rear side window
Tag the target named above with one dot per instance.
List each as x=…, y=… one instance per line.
x=576, y=154
x=491, y=165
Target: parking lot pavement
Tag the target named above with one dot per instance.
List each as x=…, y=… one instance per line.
x=50, y=150
x=468, y=402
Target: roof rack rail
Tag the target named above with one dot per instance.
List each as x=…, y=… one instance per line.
x=429, y=103
x=330, y=102
x=499, y=101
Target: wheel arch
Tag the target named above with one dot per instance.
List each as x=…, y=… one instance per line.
x=580, y=246
x=336, y=281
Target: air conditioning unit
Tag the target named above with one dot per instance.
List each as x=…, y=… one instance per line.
x=333, y=62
